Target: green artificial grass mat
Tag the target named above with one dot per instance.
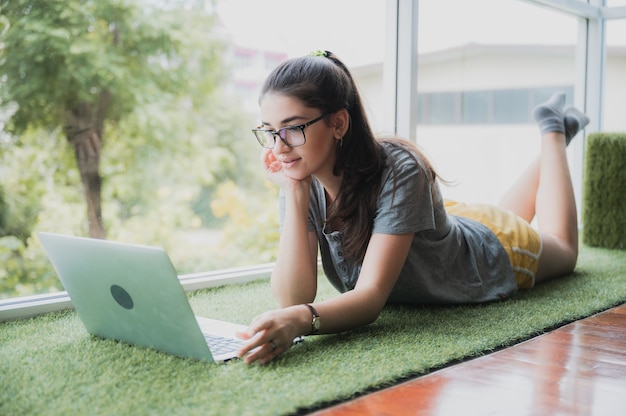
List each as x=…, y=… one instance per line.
x=50, y=365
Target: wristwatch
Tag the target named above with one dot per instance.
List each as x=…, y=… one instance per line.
x=315, y=322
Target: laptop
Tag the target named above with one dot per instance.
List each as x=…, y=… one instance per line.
x=131, y=293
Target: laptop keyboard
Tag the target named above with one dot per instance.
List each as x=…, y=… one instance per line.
x=222, y=345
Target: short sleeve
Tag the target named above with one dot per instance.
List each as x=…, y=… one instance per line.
x=405, y=203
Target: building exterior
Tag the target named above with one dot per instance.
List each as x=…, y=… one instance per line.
x=250, y=67
x=474, y=108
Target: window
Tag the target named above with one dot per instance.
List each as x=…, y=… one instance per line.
x=478, y=77
x=615, y=84
x=182, y=174
x=477, y=107
x=244, y=58
x=484, y=107
x=511, y=106
x=273, y=59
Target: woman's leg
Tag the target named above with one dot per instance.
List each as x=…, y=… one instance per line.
x=545, y=188
x=556, y=210
x=521, y=197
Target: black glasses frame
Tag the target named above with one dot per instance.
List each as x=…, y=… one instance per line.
x=281, y=132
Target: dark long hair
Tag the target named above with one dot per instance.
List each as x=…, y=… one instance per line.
x=325, y=83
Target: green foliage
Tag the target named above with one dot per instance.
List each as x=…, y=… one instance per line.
x=25, y=269
x=4, y=214
x=252, y=228
x=41, y=190
x=28, y=168
x=173, y=136
x=604, y=196
x=59, y=52
x=151, y=193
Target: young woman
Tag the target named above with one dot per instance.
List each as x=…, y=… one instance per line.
x=374, y=210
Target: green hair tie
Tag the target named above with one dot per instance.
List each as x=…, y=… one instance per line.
x=319, y=53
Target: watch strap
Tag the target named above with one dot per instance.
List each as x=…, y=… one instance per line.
x=315, y=322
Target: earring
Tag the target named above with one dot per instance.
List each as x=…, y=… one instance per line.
x=340, y=141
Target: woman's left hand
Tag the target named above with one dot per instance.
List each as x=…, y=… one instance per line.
x=270, y=334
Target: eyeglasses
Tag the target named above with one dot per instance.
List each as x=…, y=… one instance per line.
x=292, y=136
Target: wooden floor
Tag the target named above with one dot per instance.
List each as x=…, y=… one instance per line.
x=578, y=369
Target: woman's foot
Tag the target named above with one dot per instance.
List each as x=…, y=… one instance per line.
x=574, y=121
x=549, y=115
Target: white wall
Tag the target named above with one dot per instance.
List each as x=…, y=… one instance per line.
x=496, y=67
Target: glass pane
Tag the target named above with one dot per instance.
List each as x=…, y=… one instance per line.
x=486, y=54
x=615, y=80
x=178, y=163
x=476, y=107
x=443, y=108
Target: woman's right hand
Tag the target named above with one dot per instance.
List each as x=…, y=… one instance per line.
x=273, y=169
x=275, y=173
x=270, y=163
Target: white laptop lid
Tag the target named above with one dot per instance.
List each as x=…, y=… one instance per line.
x=127, y=292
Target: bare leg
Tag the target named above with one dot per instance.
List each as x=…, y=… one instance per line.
x=556, y=210
x=545, y=188
x=521, y=197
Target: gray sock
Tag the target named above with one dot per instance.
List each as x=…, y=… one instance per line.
x=549, y=115
x=574, y=120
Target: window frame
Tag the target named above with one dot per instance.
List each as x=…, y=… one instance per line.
x=400, y=89
x=29, y=306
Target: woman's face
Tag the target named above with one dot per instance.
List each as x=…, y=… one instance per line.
x=315, y=157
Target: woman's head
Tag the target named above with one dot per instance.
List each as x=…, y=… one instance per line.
x=316, y=81
x=323, y=82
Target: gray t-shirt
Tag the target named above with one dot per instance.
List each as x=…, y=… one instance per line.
x=452, y=259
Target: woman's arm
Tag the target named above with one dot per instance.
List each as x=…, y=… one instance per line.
x=382, y=264
x=274, y=331
x=294, y=277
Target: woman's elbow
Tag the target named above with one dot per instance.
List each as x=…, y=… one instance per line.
x=286, y=298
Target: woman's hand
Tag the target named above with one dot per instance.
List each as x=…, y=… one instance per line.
x=271, y=164
x=275, y=173
x=273, y=169
x=272, y=333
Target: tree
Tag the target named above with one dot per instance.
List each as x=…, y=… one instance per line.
x=82, y=64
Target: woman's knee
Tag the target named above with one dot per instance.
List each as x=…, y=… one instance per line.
x=558, y=258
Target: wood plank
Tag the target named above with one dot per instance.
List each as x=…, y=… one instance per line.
x=579, y=369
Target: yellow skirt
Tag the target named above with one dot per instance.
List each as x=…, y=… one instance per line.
x=521, y=242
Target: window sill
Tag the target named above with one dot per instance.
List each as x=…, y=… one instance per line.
x=29, y=306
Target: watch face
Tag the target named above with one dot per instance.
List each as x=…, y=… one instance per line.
x=316, y=323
